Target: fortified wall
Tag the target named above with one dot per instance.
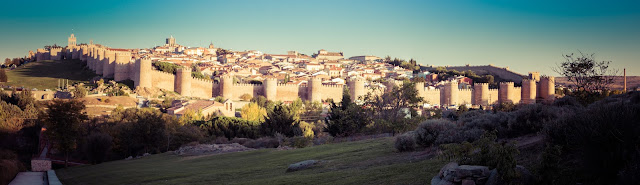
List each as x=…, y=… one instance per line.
x=120, y=65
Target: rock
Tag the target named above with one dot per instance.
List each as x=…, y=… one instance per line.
x=301, y=165
x=494, y=178
x=435, y=180
x=468, y=182
x=447, y=169
x=465, y=171
x=146, y=154
x=525, y=175
x=128, y=158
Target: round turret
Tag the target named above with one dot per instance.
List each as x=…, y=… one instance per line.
x=528, y=91
x=227, y=85
x=99, y=61
x=356, y=88
x=547, y=88
x=183, y=81
x=121, y=69
x=109, y=64
x=451, y=93
x=481, y=94
x=144, y=72
x=505, y=92
x=270, y=88
x=315, y=86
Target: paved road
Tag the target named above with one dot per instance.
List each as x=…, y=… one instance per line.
x=29, y=178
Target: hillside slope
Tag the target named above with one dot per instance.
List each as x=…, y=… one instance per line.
x=45, y=74
x=485, y=70
x=363, y=162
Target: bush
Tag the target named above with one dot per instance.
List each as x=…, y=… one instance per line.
x=428, y=132
x=240, y=141
x=405, y=142
x=486, y=152
x=598, y=145
x=299, y=141
x=9, y=166
x=263, y=142
x=98, y=145
x=186, y=134
x=230, y=127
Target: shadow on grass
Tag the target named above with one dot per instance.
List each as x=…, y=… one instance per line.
x=63, y=69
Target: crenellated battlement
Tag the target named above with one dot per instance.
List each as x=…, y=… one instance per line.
x=119, y=63
x=162, y=72
x=287, y=85
x=506, y=83
x=247, y=84
x=332, y=86
x=202, y=80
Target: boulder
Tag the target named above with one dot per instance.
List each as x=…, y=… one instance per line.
x=468, y=182
x=301, y=165
x=464, y=171
x=447, y=169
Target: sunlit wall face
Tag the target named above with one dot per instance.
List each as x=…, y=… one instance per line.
x=526, y=36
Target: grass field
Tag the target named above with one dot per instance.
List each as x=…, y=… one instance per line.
x=45, y=74
x=362, y=162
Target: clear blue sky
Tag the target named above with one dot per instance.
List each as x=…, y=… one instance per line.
x=524, y=35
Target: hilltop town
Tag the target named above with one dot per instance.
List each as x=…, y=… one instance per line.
x=211, y=72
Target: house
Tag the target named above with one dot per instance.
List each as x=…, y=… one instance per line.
x=325, y=55
x=335, y=71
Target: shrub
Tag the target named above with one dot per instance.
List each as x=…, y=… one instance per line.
x=530, y=119
x=405, y=142
x=505, y=107
x=299, y=141
x=428, y=132
x=185, y=134
x=263, y=142
x=240, y=141
x=486, y=152
x=253, y=112
x=230, y=127
x=598, y=145
x=9, y=166
x=80, y=92
x=98, y=145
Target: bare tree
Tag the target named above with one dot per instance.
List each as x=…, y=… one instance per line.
x=586, y=73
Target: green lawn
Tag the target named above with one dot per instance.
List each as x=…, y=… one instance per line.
x=45, y=74
x=363, y=162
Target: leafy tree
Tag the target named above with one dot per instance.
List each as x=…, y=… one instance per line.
x=80, y=92
x=3, y=76
x=253, y=112
x=199, y=75
x=311, y=111
x=219, y=99
x=98, y=144
x=166, y=67
x=63, y=123
x=394, y=109
x=346, y=118
x=586, y=73
x=221, y=52
x=262, y=102
x=281, y=119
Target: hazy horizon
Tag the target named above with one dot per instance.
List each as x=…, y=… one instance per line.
x=525, y=36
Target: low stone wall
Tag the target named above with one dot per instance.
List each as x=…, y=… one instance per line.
x=40, y=165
